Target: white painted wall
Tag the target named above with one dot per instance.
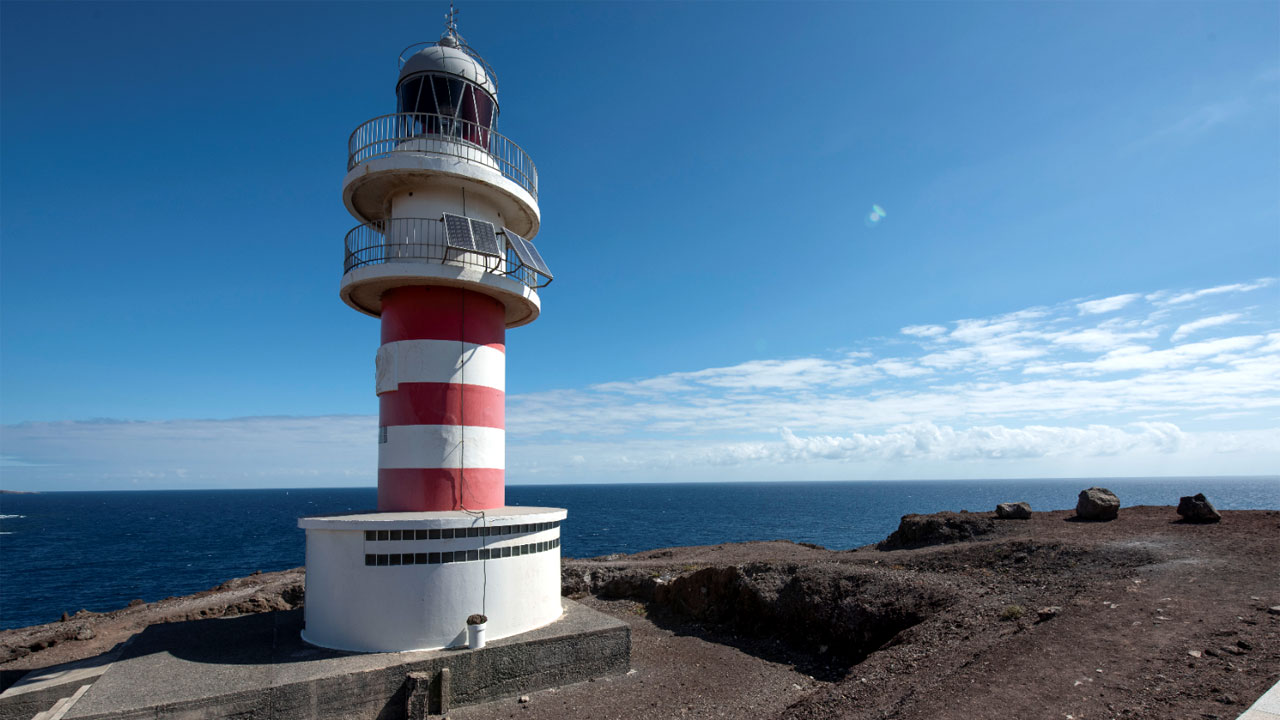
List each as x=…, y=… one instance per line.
x=439, y=361
x=352, y=606
x=432, y=197
x=443, y=446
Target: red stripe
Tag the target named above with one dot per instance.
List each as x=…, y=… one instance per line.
x=442, y=313
x=442, y=404
x=432, y=489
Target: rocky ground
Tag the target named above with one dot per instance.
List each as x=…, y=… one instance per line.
x=957, y=615
x=87, y=634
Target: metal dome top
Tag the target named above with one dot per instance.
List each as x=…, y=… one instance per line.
x=450, y=54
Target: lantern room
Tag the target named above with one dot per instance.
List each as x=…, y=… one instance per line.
x=445, y=90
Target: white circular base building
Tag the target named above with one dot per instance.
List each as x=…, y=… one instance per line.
x=398, y=581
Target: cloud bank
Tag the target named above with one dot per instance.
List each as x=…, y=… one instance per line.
x=1172, y=382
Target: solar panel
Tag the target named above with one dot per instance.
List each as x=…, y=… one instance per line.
x=538, y=263
x=517, y=243
x=486, y=240
x=457, y=232
x=527, y=253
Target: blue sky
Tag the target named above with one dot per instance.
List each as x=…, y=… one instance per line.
x=1075, y=273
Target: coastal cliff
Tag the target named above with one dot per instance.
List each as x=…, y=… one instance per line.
x=964, y=615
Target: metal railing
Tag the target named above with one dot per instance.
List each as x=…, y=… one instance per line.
x=442, y=134
x=422, y=240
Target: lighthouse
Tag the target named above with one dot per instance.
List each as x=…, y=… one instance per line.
x=443, y=257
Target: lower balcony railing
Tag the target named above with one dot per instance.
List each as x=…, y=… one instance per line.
x=423, y=240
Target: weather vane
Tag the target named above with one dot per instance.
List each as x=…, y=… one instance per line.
x=451, y=22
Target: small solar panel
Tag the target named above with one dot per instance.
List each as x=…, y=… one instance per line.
x=527, y=253
x=517, y=243
x=486, y=240
x=538, y=263
x=457, y=232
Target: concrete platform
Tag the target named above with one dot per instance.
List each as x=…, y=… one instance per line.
x=256, y=666
x=1266, y=708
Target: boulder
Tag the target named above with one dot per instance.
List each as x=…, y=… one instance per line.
x=1097, y=504
x=943, y=527
x=1048, y=613
x=1013, y=511
x=1197, y=509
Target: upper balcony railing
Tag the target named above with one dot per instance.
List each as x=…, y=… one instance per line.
x=423, y=240
x=442, y=134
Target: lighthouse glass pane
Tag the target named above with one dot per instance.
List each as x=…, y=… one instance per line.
x=477, y=111
x=470, y=131
x=448, y=93
x=408, y=97
x=440, y=104
x=455, y=97
x=484, y=109
x=440, y=86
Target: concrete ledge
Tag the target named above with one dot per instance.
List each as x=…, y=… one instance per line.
x=255, y=666
x=1266, y=708
x=39, y=690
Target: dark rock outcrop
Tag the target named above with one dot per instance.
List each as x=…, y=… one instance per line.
x=1013, y=511
x=1097, y=504
x=850, y=610
x=1197, y=509
x=936, y=529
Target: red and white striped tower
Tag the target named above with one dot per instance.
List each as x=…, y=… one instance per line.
x=441, y=381
x=447, y=208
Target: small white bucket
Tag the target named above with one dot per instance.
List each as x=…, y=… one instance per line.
x=475, y=636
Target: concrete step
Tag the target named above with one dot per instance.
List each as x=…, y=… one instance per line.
x=66, y=704
x=61, y=707
x=48, y=714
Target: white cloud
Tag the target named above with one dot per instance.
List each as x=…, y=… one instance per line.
x=244, y=452
x=1187, y=328
x=921, y=449
x=992, y=442
x=1205, y=118
x=1099, y=339
x=1219, y=290
x=924, y=330
x=1106, y=305
x=793, y=374
x=1197, y=121
x=1139, y=357
x=901, y=368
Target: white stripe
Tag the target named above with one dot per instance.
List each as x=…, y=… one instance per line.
x=443, y=446
x=440, y=361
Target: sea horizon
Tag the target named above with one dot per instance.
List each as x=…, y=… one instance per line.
x=373, y=483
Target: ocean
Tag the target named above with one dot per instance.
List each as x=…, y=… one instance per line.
x=65, y=551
